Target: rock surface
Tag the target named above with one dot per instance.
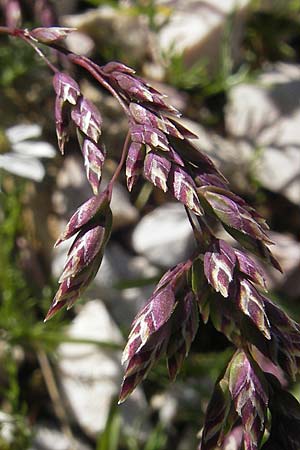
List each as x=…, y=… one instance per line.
x=91, y=374
x=164, y=235
x=287, y=251
x=264, y=118
x=73, y=189
x=196, y=29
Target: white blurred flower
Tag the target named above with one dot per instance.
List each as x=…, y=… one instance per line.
x=24, y=158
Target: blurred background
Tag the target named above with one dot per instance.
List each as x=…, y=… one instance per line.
x=233, y=69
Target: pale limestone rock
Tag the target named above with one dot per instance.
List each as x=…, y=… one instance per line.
x=73, y=189
x=287, y=252
x=196, y=29
x=22, y=166
x=119, y=282
x=80, y=43
x=264, y=118
x=164, y=235
x=90, y=375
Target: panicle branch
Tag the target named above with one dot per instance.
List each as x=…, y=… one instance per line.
x=219, y=281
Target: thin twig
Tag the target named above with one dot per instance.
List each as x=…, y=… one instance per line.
x=90, y=67
x=93, y=68
x=40, y=53
x=196, y=231
x=122, y=160
x=55, y=396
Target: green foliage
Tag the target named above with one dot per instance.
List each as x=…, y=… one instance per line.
x=16, y=61
x=21, y=313
x=110, y=438
x=102, y=2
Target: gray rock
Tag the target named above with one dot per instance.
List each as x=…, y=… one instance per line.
x=73, y=189
x=118, y=271
x=196, y=29
x=265, y=118
x=80, y=43
x=124, y=213
x=46, y=437
x=164, y=236
x=35, y=149
x=90, y=375
x=287, y=251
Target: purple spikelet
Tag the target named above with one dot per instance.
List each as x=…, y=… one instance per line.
x=249, y=392
x=92, y=225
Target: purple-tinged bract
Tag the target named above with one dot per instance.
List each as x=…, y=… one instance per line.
x=250, y=268
x=96, y=205
x=234, y=214
x=66, y=88
x=83, y=250
x=252, y=303
x=50, y=35
x=219, y=264
x=145, y=117
x=115, y=66
x=226, y=318
x=153, y=327
x=87, y=118
x=62, y=120
x=156, y=170
x=94, y=157
x=134, y=163
x=285, y=340
x=145, y=134
x=184, y=330
x=285, y=412
x=83, y=261
x=153, y=316
x=182, y=187
x=218, y=420
x=249, y=392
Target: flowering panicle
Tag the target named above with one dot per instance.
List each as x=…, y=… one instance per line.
x=72, y=106
x=166, y=325
x=219, y=281
x=242, y=394
x=91, y=224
